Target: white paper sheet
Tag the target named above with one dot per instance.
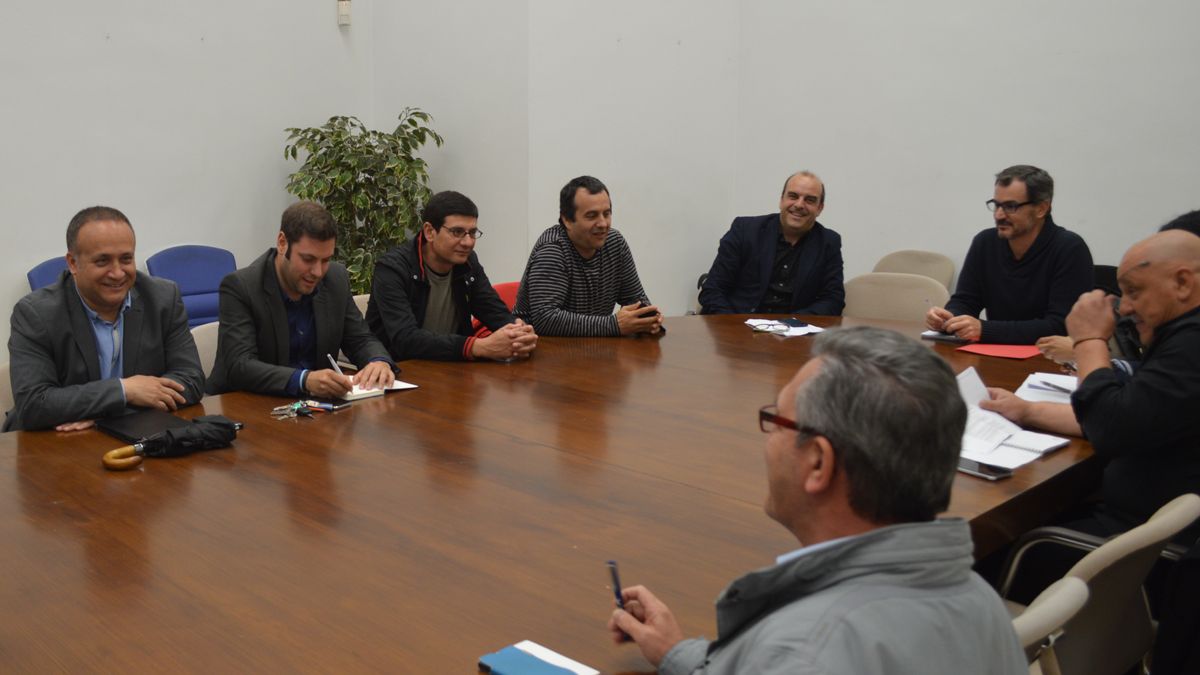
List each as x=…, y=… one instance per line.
x=777, y=328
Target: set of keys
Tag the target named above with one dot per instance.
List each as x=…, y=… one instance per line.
x=304, y=409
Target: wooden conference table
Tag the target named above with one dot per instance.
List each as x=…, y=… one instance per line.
x=414, y=533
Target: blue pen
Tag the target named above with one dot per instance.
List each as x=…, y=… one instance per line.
x=616, y=583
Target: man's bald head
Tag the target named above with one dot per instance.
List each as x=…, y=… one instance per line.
x=1158, y=278
x=1171, y=248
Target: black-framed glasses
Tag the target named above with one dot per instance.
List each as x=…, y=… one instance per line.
x=459, y=232
x=769, y=420
x=1007, y=207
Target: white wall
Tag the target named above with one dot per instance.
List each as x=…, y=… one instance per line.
x=172, y=112
x=465, y=63
x=692, y=113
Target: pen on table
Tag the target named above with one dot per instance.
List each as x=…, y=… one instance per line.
x=1054, y=387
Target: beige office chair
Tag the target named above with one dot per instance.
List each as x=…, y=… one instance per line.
x=361, y=301
x=6, y=395
x=1114, y=631
x=926, y=263
x=1040, y=626
x=205, y=336
x=893, y=295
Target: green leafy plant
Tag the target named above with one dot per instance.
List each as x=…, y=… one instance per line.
x=372, y=182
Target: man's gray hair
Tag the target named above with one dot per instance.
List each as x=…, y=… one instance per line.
x=891, y=409
x=1039, y=186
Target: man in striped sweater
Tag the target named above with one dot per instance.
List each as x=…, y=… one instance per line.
x=580, y=268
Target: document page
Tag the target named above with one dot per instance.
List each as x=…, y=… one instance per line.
x=992, y=439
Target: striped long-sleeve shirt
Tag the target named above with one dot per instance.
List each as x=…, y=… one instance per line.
x=564, y=294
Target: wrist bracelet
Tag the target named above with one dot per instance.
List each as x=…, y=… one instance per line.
x=1082, y=340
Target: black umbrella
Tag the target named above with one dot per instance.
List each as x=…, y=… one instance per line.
x=208, y=432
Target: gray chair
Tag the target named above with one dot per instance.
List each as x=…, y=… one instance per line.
x=1114, y=631
x=205, y=336
x=6, y=394
x=927, y=263
x=893, y=296
x=1040, y=626
x=361, y=301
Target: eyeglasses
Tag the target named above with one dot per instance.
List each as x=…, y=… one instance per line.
x=1007, y=207
x=459, y=233
x=770, y=420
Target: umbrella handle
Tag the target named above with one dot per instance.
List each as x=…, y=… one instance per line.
x=122, y=459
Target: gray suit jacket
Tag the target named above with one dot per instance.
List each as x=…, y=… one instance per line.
x=55, y=367
x=253, y=343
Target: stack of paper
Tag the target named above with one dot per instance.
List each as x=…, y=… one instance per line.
x=992, y=439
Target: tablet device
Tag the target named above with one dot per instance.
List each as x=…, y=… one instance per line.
x=985, y=471
x=138, y=426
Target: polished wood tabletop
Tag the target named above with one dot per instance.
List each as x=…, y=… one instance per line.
x=418, y=531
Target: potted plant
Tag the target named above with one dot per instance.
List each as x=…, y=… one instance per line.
x=372, y=182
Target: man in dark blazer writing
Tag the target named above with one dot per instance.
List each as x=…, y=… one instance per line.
x=101, y=339
x=780, y=263
x=282, y=317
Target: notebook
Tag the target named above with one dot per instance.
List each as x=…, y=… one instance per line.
x=359, y=392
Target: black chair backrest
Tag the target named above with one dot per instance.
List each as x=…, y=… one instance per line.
x=1105, y=278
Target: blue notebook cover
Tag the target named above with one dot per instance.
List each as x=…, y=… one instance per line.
x=513, y=661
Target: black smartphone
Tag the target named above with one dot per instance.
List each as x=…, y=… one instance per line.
x=986, y=471
x=793, y=322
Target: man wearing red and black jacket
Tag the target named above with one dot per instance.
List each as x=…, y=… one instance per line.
x=425, y=291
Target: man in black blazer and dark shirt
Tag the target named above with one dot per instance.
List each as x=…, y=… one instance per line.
x=1026, y=271
x=289, y=311
x=780, y=263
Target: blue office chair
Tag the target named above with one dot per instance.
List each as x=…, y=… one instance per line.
x=198, y=271
x=46, y=272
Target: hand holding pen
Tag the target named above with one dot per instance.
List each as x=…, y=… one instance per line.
x=644, y=619
x=327, y=383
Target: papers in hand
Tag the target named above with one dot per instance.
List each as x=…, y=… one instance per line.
x=359, y=392
x=992, y=439
x=782, y=329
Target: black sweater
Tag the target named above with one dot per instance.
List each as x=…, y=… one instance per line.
x=1028, y=298
x=1147, y=428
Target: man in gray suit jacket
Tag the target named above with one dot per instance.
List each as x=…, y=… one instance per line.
x=282, y=317
x=102, y=338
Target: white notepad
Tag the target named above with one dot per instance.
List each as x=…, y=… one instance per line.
x=359, y=392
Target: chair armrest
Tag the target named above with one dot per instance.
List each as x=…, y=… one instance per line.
x=1051, y=535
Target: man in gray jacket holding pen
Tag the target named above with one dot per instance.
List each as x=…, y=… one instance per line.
x=879, y=585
